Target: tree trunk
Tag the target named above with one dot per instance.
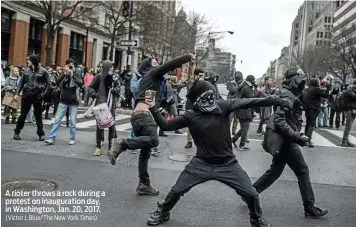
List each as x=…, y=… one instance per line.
x=112, y=46
x=49, y=46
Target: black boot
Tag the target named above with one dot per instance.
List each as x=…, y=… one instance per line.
x=67, y=123
x=189, y=145
x=41, y=138
x=158, y=216
x=178, y=132
x=118, y=146
x=17, y=137
x=162, y=134
x=47, y=117
x=143, y=189
x=13, y=120
x=260, y=222
x=315, y=212
x=310, y=144
x=234, y=140
x=7, y=120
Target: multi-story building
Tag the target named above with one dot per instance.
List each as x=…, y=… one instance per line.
x=278, y=67
x=321, y=33
x=344, y=29
x=24, y=32
x=301, y=26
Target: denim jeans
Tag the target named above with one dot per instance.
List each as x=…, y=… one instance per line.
x=145, y=129
x=198, y=171
x=61, y=112
x=30, y=115
x=323, y=117
x=291, y=155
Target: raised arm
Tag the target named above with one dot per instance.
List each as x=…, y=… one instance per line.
x=171, y=125
x=171, y=65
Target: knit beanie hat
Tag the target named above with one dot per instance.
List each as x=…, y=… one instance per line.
x=198, y=89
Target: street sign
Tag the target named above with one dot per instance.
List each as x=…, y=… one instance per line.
x=129, y=43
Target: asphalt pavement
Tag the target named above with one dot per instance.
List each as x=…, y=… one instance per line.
x=332, y=171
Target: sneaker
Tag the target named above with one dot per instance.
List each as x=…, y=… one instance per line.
x=247, y=141
x=188, y=145
x=97, y=152
x=116, y=150
x=155, y=151
x=49, y=141
x=260, y=222
x=143, y=189
x=178, y=132
x=41, y=138
x=310, y=144
x=259, y=133
x=243, y=148
x=71, y=142
x=234, y=140
x=158, y=216
x=17, y=137
x=315, y=212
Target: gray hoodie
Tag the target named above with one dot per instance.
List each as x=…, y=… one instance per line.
x=11, y=84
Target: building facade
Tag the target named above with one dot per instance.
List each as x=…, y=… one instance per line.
x=24, y=33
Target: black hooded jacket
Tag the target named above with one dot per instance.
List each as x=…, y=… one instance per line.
x=68, y=88
x=35, y=81
x=152, y=76
x=102, y=83
x=289, y=123
x=312, y=95
x=211, y=130
x=245, y=91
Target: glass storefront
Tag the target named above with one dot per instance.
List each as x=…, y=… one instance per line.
x=5, y=35
x=35, y=37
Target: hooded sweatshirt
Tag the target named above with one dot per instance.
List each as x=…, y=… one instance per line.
x=35, y=81
x=210, y=130
x=152, y=76
x=69, y=85
x=102, y=84
x=312, y=95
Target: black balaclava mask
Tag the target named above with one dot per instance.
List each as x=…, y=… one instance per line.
x=313, y=82
x=35, y=60
x=202, y=95
x=106, y=74
x=251, y=79
x=238, y=77
x=295, y=81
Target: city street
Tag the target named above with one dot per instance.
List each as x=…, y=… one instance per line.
x=332, y=171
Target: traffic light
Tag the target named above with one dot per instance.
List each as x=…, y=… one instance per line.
x=126, y=8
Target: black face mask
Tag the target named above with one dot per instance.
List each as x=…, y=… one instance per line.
x=206, y=102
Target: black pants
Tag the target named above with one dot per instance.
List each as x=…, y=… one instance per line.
x=100, y=136
x=350, y=118
x=337, y=119
x=291, y=155
x=245, y=125
x=343, y=118
x=311, y=116
x=197, y=171
x=145, y=129
x=26, y=104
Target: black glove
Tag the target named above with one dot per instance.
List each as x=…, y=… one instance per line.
x=302, y=140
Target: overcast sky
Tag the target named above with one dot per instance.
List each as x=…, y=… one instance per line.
x=262, y=28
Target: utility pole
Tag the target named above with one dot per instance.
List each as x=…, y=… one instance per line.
x=128, y=63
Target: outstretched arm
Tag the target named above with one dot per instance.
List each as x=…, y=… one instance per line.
x=171, y=125
x=171, y=65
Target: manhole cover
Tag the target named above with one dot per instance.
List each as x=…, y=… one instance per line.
x=27, y=185
x=180, y=157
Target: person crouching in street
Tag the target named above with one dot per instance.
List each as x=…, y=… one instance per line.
x=11, y=84
x=144, y=126
x=34, y=85
x=288, y=125
x=104, y=88
x=69, y=100
x=214, y=159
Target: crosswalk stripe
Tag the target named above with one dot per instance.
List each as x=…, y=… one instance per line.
x=340, y=134
x=319, y=140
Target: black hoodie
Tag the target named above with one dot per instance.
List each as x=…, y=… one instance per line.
x=36, y=81
x=312, y=95
x=152, y=76
x=102, y=83
x=211, y=130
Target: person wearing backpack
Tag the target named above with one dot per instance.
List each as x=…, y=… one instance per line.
x=143, y=124
x=348, y=101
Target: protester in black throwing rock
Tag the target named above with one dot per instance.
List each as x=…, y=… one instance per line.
x=214, y=159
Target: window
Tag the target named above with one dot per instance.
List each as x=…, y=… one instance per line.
x=35, y=37
x=296, y=37
x=5, y=22
x=296, y=25
x=76, y=47
x=326, y=19
x=5, y=35
x=317, y=35
x=310, y=28
x=321, y=34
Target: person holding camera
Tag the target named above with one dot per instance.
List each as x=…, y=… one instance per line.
x=288, y=125
x=34, y=85
x=144, y=126
x=69, y=100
